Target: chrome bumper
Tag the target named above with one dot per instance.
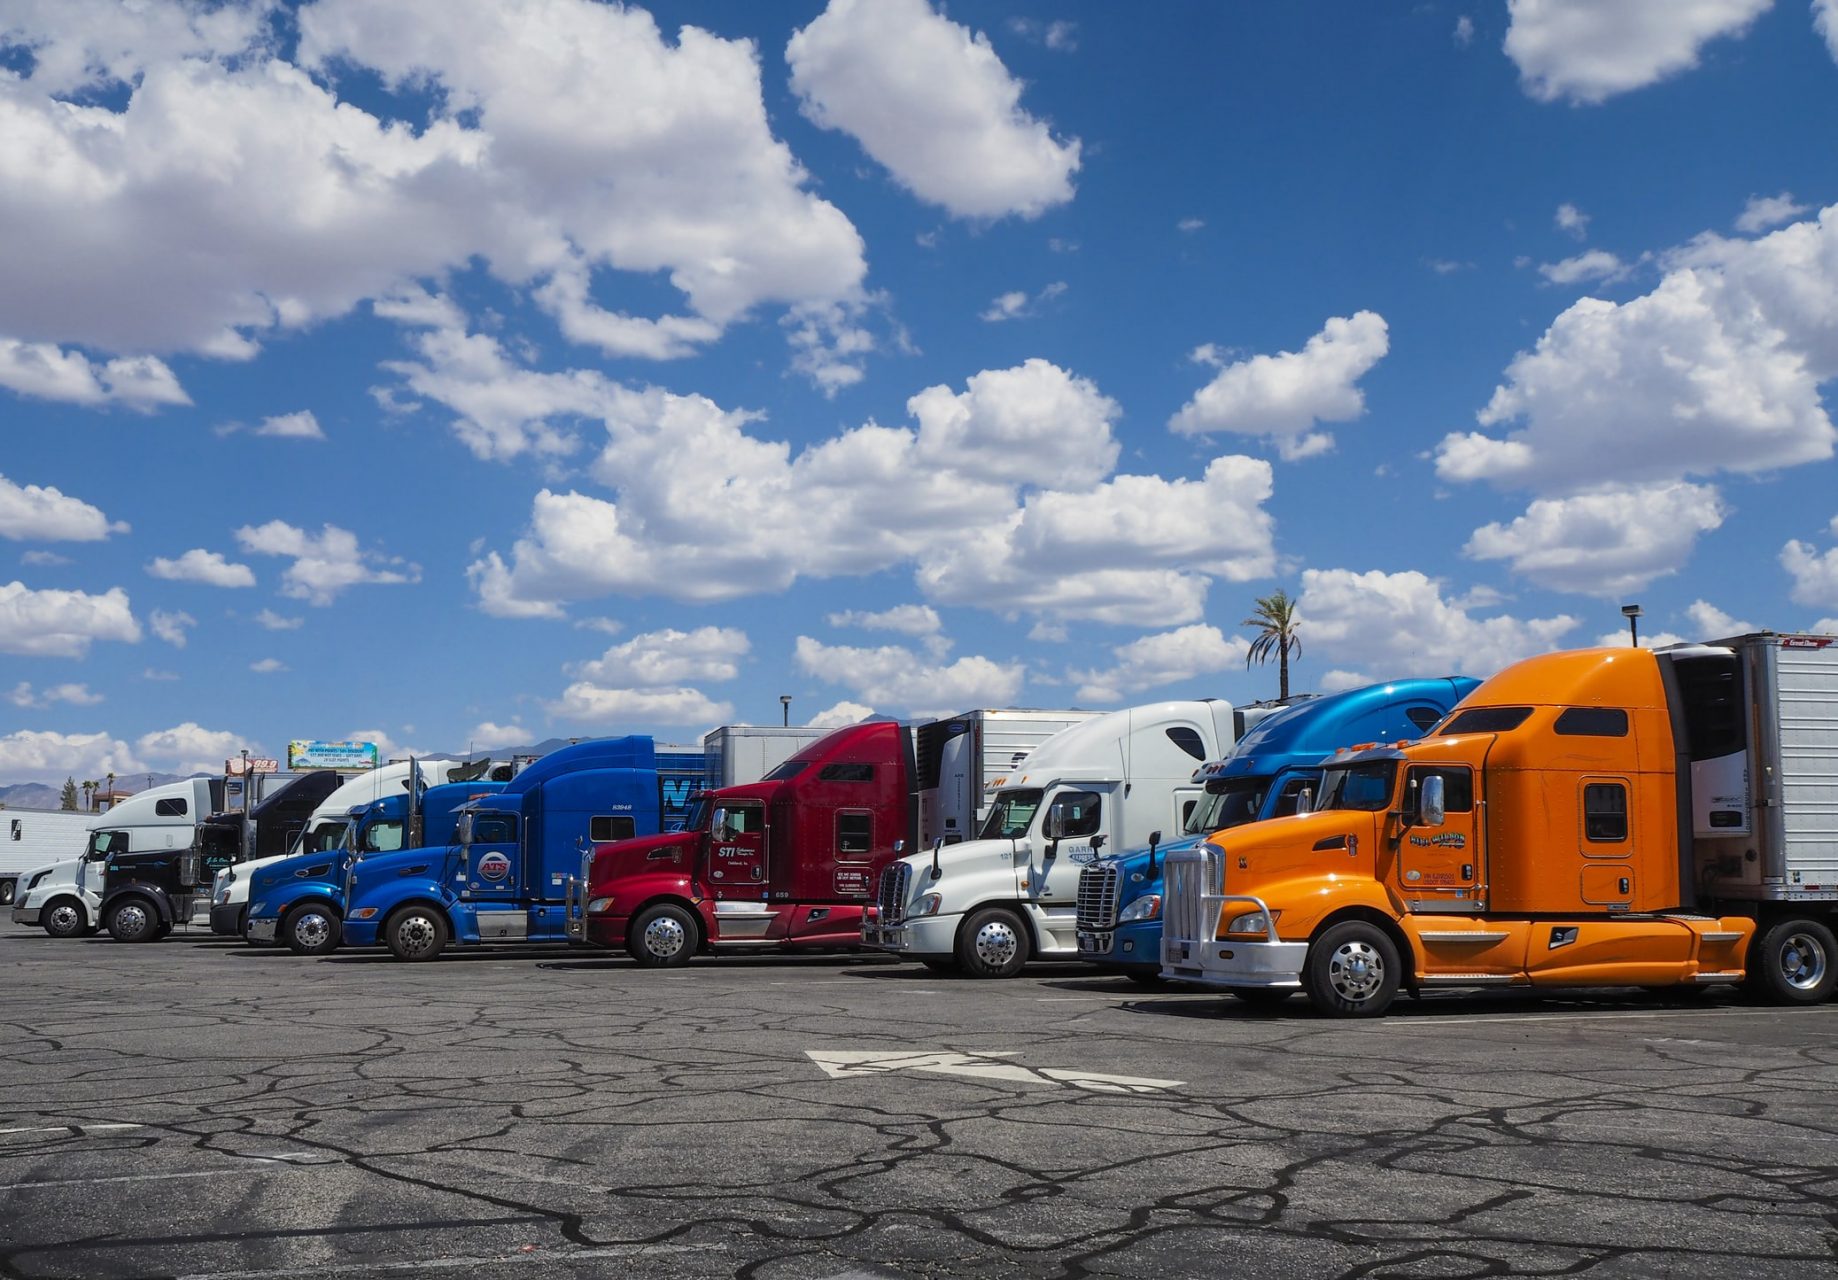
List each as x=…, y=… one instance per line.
x=263, y=930
x=1234, y=962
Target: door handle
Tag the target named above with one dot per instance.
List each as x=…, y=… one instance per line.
x=1467, y=871
x=1624, y=884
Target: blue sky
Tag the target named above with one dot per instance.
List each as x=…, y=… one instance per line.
x=466, y=373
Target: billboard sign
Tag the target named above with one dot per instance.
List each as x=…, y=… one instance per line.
x=331, y=755
x=257, y=764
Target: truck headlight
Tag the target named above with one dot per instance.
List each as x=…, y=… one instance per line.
x=597, y=905
x=363, y=913
x=928, y=905
x=255, y=909
x=1253, y=922
x=1147, y=907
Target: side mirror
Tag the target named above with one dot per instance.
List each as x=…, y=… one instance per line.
x=937, y=871
x=1155, y=838
x=1097, y=843
x=1053, y=826
x=899, y=846
x=1305, y=800
x=462, y=830
x=1431, y=805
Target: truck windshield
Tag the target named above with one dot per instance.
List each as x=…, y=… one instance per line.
x=219, y=841
x=1011, y=815
x=790, y=769
x=1227, y=803
x=1361, y=786
x=328, y=834
x=697, y=817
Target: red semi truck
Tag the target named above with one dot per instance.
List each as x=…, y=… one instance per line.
x=789, y=862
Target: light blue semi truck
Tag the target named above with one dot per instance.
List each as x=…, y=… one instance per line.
x=1268, y=771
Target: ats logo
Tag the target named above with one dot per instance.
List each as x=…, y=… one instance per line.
x=494, y=867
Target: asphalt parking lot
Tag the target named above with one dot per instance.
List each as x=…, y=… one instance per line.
x=200, y=1108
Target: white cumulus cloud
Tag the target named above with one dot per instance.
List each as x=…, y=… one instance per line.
x=40, y=513
x=1572, y=220
x=907, y=619
x=669, y=657
x=48, y=372
x=1389, y=625
x=191, y=748
x=1285, y=396
x=1605, y=542
x=931, y=102
x=894, y=676
x=1586, y=51
x=1595, y=264
x=172, y=627
x=62, y=624
x=624, y=709
x=1763, y=212
x=28, y=755
x=324, y=564
x=843, y=713
x=272, y=621
x=1154, y=660
x=199, y=565
x=1712, y=623
x=291, y=426
x=1825, y=21
x=77, y=695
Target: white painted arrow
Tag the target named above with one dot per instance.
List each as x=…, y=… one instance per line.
x=841, y=1064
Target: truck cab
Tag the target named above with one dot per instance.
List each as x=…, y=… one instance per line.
x=1274, y=768
x=986, y=906
x=787, y=862
x=299, y=900
x=151, y=880
x=1582, y=819
x=507, y=872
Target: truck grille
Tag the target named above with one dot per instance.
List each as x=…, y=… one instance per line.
x=1098, y=896
x=893, y=892
x=1190, y=874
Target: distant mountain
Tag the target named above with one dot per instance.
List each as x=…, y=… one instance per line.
x=30, y=795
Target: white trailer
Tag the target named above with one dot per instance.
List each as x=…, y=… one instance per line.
x=34, y=838
x=963, y=759
x=738, y=753
x=988, y=905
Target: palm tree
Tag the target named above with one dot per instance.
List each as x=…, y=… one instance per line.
x=1276, y=623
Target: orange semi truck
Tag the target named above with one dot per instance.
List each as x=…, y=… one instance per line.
x=1599, y=817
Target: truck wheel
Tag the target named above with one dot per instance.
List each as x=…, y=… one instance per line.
x=133, y=920
x=992, y=944
x=1794, y=962
x=311, y=930
x=63, y=918
x=1352, y=971
x=663, y=937
x=416, y=933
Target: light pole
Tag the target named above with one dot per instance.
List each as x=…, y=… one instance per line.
x=1632, y=613
x=245, y=781
x=785, y=705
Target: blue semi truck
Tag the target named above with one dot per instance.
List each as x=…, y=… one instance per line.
x=300, y=900
x=506, y=874
x=1268, y=770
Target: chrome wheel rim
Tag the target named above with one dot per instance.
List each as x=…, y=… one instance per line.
x=1356, y=971
x=996, y=944
x=664, y=937
x=64, y=918
x=416, y=935
x=312, y=930
x=1802, y=961
x=131, y=919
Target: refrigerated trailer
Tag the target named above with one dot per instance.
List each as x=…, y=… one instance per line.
x=963, y=759
x=738, y=753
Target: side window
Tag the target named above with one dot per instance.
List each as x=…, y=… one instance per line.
x=1605, y=812
x=854, y=832
x=1457, y=786
x=1291, y=795
x=382, y=837
x=494, y=828
x=1592, y=722
x=602, y=828
x=1188, y=740
x=847, y=772
x=1425, y=718
x=1079, y=812
x=19, y=829
x=741, y=820
x=172, y=807
x=1187, y=808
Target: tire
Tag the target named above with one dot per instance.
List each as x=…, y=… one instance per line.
x=664, y=936
x=993, y=943
x=1263, y=997
x=416, y=933
x=64, y=918
x=133, y=919
x=939, y=964
x=1352, y=971
x=1794, y=961
x=311, y=929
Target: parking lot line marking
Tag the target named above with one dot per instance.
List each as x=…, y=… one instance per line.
x=550, y=1254
x=270, y=1167
x=848, y=1063
x=73, y=1128
x=1606, y=1015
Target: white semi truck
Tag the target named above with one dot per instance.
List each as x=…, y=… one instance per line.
x=65, y=897
x=961, y=755
x=988, y=905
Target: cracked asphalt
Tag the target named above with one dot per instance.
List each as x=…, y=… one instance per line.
x=200, y=1108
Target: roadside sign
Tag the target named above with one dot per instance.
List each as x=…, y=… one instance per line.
x=331, y=755
x=257, y=764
